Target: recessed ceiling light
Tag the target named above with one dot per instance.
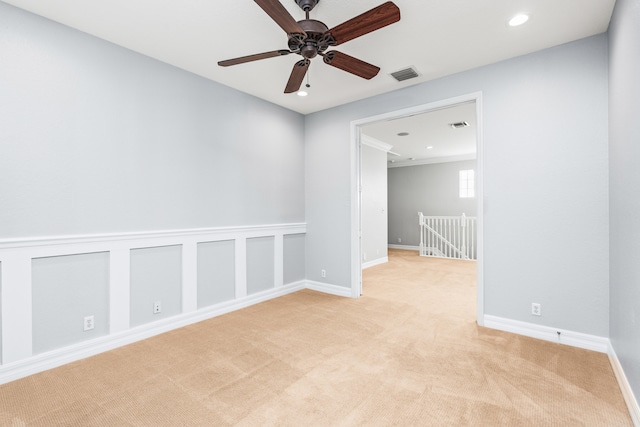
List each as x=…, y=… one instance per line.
x=403, y=134
x=430, y=147
x=518, y=20
x=302, y=93
x=412, y=158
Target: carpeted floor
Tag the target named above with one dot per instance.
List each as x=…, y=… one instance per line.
x=406, y=353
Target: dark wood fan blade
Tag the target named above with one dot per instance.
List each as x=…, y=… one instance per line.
x=278, y=13
x=256, y=57
x=376, y=18
x=297, y=76
x=351, y=65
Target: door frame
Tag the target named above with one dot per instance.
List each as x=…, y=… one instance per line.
x=356, y=187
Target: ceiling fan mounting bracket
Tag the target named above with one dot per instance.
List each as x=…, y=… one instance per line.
x=307, y=5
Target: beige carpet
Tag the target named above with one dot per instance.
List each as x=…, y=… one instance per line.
x=407, y=353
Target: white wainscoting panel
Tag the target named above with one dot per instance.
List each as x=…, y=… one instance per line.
x=16, y=256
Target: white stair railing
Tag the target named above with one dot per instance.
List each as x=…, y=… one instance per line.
x=448, y=236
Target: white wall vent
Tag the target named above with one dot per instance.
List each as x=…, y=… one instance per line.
x=406, y=74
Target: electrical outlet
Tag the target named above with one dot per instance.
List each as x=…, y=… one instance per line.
x=89, y=323
x=399, y=240
x=536, y=309
x=365, y=256
x=323, y=273
x=157, y=307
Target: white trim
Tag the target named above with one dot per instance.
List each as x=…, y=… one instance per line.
x=356, y=211
x=326, y=288
x=52, y=359
x=375, y=262
x=16, y=308
x=480, y=208
x=375, y=143
x=432, y=160
x=119, y=290
x=560, y=336
x=154, y=238
x=405, y=247
x=356, y=140
x=625, y=387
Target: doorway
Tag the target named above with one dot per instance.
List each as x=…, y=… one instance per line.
x=356, y=189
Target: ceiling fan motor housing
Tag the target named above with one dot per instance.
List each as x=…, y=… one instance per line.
x=315, y=42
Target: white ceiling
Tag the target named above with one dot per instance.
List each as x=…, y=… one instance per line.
x=431, y=129
x=437, y=37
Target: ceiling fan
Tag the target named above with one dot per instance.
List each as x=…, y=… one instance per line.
x=309, y=38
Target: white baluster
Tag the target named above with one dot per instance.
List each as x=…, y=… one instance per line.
x=421, y=222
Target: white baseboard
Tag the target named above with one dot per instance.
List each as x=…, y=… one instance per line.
x=72, y=353
x=561, y=336
x=405, y=247
x=326, y=288
x=375, y=262
x=52, y=359
x=625, y=387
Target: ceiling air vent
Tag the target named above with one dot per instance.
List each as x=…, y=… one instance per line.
x=458, y=125
x=406, y=74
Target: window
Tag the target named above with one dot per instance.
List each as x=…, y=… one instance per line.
x=467, y=183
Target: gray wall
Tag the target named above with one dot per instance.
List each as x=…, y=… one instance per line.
x=374, y=204
x=96, y=138
x=624, y=158
x=431, y=189
x=65, y=289
x=546, y=182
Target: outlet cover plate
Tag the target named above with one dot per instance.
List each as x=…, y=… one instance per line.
x=89, y=323
x=536, y=309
